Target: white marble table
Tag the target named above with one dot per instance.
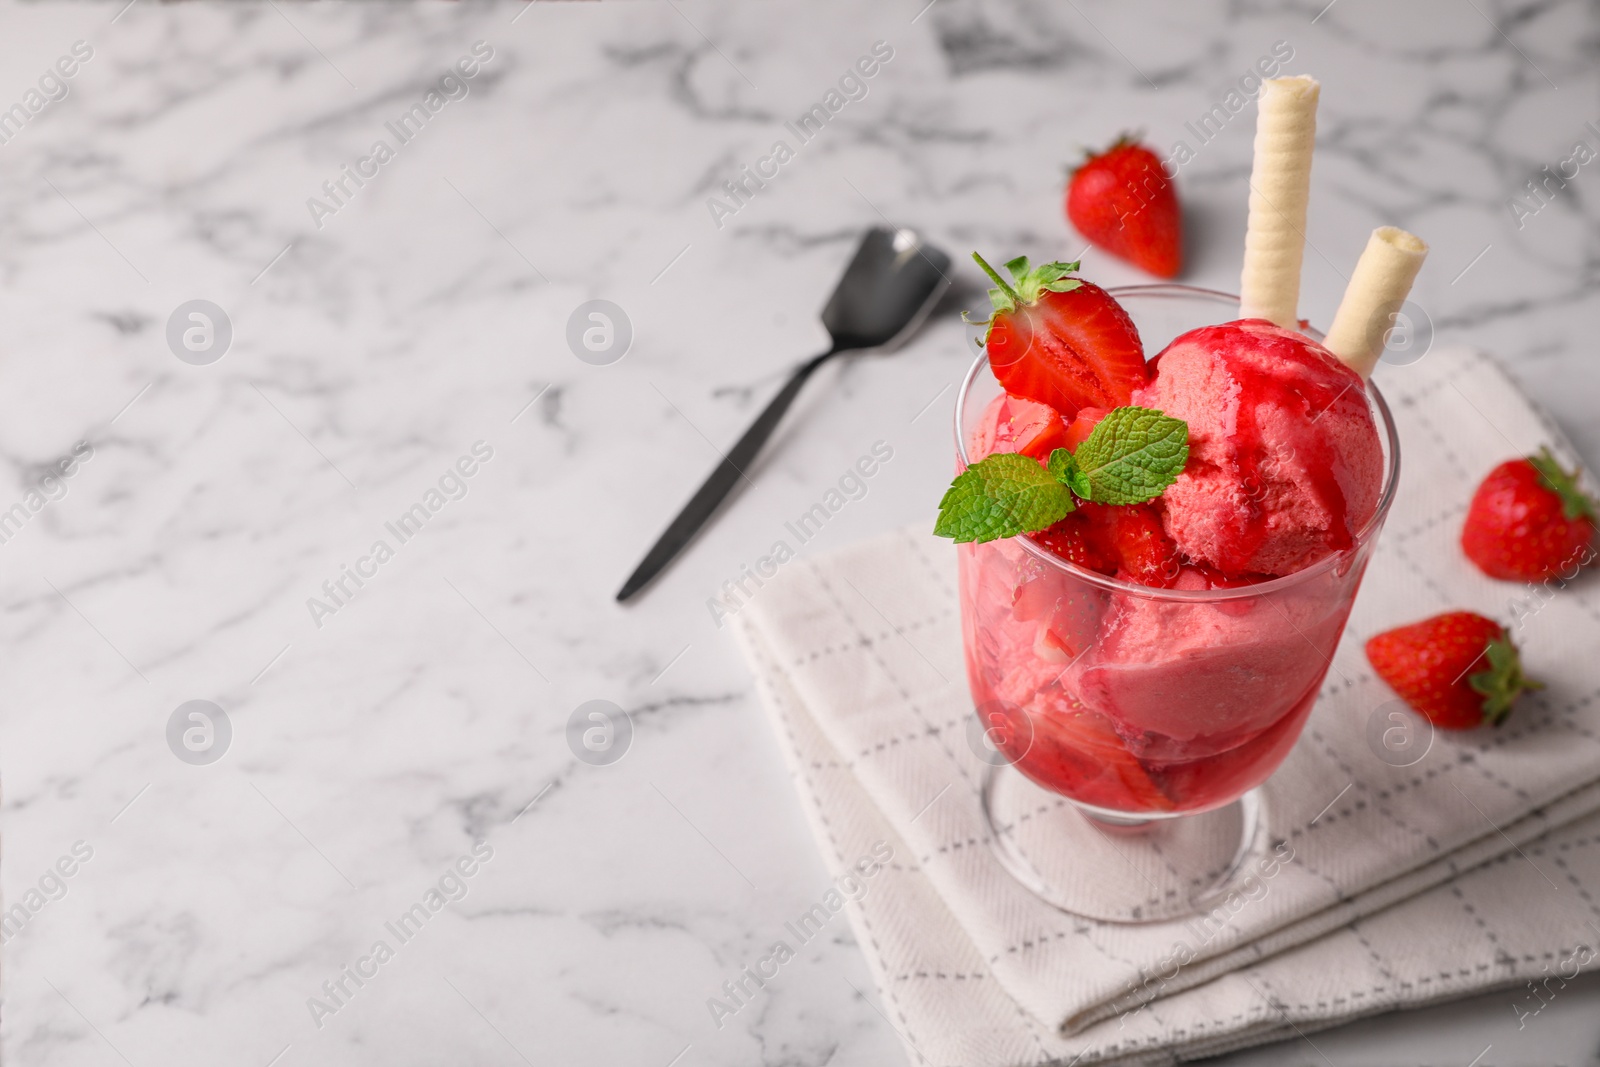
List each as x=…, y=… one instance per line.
x=376, y=338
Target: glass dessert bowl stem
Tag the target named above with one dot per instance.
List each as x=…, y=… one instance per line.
x=1125, y=722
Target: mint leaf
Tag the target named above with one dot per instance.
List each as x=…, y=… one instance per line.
x=1001, y=496
x=1064, y=468
x=1131, y=456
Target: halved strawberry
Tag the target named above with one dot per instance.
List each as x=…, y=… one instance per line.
x=1079, y=753
x=1011, y=424
x=1211, y=578
x=1134, y=535
x=1082, y=426
x=1074, y=626
x=1075, y=540
x=1061, y=341
x=1032, y=429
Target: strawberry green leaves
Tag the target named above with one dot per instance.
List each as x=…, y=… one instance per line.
x=1001, y=496
x=1503, y=682
x=1027, y=283
x=1564, y=483
x=1132, y=455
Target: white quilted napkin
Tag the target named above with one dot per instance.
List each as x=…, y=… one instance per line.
x=858, y=657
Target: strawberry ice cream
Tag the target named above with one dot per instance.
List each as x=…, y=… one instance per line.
x=1130, y=701
x=1150, y=612
x=1202, y=677
x=1284, y=460
x=1176, y=686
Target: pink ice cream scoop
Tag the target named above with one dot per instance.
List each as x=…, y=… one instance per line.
x=1198, y=678
x=1284, y=465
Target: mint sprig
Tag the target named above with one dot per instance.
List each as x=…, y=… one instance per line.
x=1131, y=456
x=1063, y=466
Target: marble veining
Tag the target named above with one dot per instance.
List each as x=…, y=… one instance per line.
x=375, y=745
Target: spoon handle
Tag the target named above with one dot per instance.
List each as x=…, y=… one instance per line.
x=727, y=474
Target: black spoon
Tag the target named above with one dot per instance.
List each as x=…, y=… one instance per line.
x=890, y=286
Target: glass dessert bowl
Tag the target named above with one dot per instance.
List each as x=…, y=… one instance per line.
x=1137, y=705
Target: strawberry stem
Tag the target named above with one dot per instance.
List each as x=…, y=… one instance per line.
x=999, y=281
x=1503, y=682
x=1575, y=503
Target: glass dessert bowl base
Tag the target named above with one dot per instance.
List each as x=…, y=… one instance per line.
x=1115, y=868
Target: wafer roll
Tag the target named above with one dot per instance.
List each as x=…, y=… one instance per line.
x=1280, y=183
x=1378, y=287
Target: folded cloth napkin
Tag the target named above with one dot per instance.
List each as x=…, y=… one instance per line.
x=858, y=657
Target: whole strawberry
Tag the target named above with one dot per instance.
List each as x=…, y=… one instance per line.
x=1458, y=670
x=1123, y=201
x=1529, y=521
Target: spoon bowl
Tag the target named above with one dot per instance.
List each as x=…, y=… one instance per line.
x=891, y=285
x=886, y=292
